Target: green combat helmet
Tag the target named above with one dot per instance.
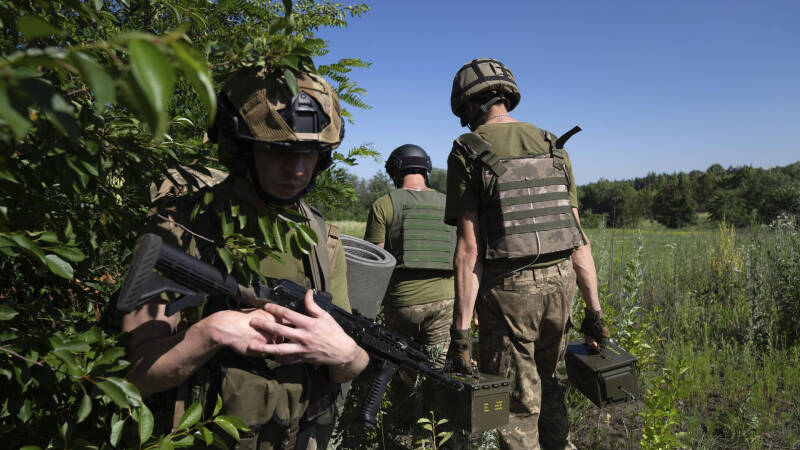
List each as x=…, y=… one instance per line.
x=485, y=80
x=257, y=106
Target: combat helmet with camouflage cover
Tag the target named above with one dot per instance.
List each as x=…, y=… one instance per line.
x=486, y=80
x=257, y=106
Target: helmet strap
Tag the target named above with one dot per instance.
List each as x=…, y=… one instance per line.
x=481, y=111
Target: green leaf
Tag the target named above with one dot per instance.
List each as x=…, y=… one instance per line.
x=207, y=435
x=191, y=416
x=116, y=432
x=68, y=358
x=85, y=408
x=290, y=61
x=6, y=175
x=70, y=253
x=195, y=69
x=263, y=225
x=253, y=263
x=225, y=256
x=218, y=405
x=145, y=424
x=26, y=411
x=101, y=84
x=7, y=313
x=98, y=5
x=30, y=447
x=308, y=234
x=304, y=249
x=237, y=422
x=225, y=224
x=115, y=393
x=291, y=80
x=72, y=345
x=185, y=441
x=276, y=232
x=59, y=267
x=156, y=78
x=132, y=394
x=445, y=436
x=227, y=426
x=17, y=120
x=33, y=27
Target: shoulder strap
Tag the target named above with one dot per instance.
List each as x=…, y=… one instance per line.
x=320, y=267
x=556, y=153
x=479, y=148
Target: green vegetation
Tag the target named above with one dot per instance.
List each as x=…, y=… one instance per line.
x=712, y=316
x=98, y=100
x=711, y=312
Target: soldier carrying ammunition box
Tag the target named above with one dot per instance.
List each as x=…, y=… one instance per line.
x=408, y=223
x=519, y=252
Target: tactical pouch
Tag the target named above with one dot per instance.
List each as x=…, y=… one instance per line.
x=257, y=399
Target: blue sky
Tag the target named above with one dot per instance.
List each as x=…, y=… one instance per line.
x=662, y=86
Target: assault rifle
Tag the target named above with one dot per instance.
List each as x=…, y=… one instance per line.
x=195, y=280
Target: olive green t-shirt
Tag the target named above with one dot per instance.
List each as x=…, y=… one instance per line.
x=465, y=176
x=407, y=286
x=175, y=219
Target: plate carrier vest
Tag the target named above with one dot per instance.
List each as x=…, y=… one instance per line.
x=525, y=210
x=294, y=405
x=418, y=237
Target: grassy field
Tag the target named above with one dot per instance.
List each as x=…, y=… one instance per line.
x=713, y=315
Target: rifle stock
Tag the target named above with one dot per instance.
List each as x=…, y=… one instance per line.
x=195, y=280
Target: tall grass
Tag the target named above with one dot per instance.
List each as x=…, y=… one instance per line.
x=713, y=315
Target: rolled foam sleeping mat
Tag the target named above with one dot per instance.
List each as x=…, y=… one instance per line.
x=369, y=269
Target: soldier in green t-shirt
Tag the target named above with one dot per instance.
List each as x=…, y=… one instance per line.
x=520, y=251
x=408, y=223
x=278, y=370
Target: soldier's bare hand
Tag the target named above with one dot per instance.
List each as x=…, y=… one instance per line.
x=232, y=329
x=315, y=339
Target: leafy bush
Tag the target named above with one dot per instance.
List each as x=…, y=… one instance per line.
x=99, y=100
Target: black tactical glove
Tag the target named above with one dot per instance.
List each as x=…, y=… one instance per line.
x=459, y=354
x=594, y=326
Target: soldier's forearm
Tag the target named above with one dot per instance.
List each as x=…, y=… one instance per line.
x=468, y=270
x=586, y=275
x=346, y=372
x=467, y=278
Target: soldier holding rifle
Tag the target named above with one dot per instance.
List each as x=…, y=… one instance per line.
x=277, y=369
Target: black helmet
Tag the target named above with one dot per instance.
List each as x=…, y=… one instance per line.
x=408, y=158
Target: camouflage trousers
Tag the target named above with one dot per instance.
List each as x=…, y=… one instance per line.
x=428, y=325
x=524, y=319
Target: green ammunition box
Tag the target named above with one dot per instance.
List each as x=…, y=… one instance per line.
x=605, y=378
x=482, y=405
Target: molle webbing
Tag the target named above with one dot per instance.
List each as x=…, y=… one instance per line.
x=527, y=212
x=419, y=237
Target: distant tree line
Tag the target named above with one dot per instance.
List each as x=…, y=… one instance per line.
x=741, y=196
